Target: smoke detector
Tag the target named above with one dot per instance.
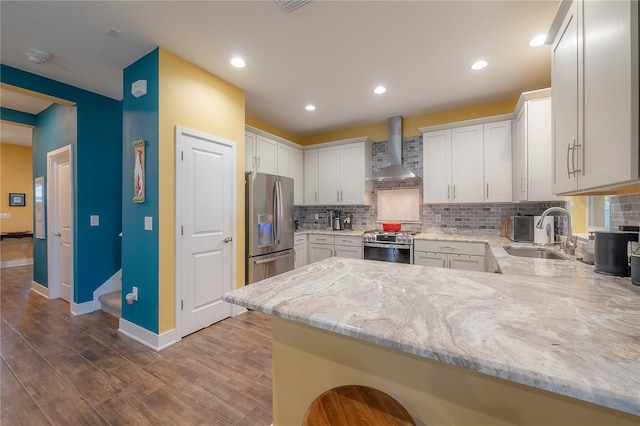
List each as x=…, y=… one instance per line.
x=38, y=56
x=291, y=5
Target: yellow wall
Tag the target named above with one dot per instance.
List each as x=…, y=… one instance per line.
x=308, y=361
x=270, y=129
x=193, y=98
x=16, y=175
x=411, y=125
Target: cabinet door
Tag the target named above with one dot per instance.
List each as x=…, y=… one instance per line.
x=350, y=252
x=267, y=155
x=565, y=99
x=610, y=61
x=497, y=162
x=519, y=169
x=352, y=174
x=284, y=160
x=296, y=169
x=437, y=166
x=319, y=252
x=429, y=259
x=300, y=255
x=249, y=151
x=466, y=262
x=467, y=177
x=329, y=166
x=539, y=151
x=310, y=177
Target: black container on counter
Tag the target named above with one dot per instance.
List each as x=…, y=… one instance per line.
x=610, y=253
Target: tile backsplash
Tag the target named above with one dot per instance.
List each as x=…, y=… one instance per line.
x=470, y=216
x=624, y=210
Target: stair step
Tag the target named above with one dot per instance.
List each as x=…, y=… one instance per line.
x=111, y=303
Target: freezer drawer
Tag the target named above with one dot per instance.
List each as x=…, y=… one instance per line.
x=269, y=265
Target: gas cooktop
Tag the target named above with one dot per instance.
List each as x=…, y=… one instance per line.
x=381, y=232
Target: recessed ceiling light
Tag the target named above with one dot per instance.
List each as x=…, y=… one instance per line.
x=310, y=108
x=379, y=90
x=538, y=40
x=479, y=65
x=238, y=62
x=38, y=56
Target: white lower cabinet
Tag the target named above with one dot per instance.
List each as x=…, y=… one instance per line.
x=323, y=246
x=460, y=255
x=300, y=249
x=348, y=247
x=320, y=247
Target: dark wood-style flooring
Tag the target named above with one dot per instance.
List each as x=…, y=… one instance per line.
x=65, y=370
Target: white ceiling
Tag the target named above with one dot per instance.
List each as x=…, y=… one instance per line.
x=329, y=53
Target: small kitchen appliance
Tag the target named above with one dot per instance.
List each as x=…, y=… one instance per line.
x=610, y=253
x=337, y=221
x=518, y=228
x=543, y=236
x=396, y=247
x=348, y=221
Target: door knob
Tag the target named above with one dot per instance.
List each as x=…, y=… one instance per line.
x=227, y=239
x=57, y=235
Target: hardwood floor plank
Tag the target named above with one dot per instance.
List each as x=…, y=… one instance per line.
x=62, y=369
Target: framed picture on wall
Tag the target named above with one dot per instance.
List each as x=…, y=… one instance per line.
x=16, y=199
x=138, y=171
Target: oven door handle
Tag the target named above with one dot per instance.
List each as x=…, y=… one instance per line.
x=395, y=246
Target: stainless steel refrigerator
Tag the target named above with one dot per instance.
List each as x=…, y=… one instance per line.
x=269, y=226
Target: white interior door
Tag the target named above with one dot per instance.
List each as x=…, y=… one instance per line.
x=64, y=229
x=205, y=221
x=60, y=220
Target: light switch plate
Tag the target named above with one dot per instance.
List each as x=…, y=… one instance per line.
x=148, y=223
x=95, y=220
x=438, y=218
x=5, y=215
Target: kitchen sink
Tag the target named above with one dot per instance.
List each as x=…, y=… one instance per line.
x=535, y=252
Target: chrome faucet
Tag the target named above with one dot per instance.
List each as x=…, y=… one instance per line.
x=571, y=240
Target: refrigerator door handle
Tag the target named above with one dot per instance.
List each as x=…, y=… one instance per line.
x=274, y=228
x=280, y=212
x=272, y=259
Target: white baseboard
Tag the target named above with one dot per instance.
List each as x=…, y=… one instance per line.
x=40, y=289
x=237, y=310
x=114, y=283
x=157, y=342
x=19, y=262
x=83, y=308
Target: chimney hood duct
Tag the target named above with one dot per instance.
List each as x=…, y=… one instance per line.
x=394, y=171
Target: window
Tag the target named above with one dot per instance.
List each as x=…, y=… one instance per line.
x=599, y=212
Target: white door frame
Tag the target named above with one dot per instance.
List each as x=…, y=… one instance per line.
x=180, y=130
x=53, y=248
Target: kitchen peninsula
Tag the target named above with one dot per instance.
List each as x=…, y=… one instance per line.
x=455, y=347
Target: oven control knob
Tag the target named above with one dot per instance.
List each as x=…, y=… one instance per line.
x=401, y=239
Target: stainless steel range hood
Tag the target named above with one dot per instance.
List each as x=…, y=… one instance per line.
x=394, y=171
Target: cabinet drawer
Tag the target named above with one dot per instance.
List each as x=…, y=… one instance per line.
x=321, y=239
x=348, y=241
x=457, y=247
x=300, y=239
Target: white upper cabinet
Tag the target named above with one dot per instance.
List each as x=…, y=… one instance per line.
x=532, y=148
x=497, y=162
x=290, y=164
x=468, y=164
x=311, y=177
x=595, y=95
x=296, y=169
x=261, y=154
x=342, y=173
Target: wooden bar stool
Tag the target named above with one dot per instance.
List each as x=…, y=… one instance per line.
x=355, y=405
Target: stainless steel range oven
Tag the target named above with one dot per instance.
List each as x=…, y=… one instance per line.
x=394, y=247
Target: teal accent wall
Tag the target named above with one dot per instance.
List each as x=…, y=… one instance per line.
x=7, y=114
x=97, y=178
x=140, y=249
x=55, y=127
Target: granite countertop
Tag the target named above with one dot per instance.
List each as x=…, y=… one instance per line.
x=557, y=326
